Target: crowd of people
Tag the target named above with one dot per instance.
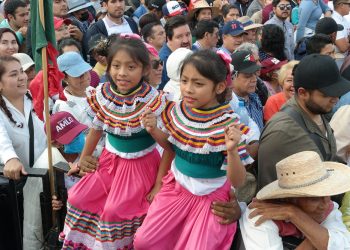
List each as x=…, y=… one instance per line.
x=186, y=124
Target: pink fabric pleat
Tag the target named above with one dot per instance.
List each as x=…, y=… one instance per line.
x=178, y=219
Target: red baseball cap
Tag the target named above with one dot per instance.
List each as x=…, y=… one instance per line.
x=271, y=64
x=57, y=22
x=64, y=127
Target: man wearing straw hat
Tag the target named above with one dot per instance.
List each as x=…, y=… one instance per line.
x=298, y=204
x=301, y=124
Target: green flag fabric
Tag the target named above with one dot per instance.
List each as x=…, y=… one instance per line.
x=40, y=38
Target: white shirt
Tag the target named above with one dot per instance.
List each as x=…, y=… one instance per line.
x=113, y=28
x=77, y=106
x=266, y=236
x=340, y=124
x=343, y=33
x=14, y=140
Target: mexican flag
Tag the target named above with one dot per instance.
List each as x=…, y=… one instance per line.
x=41, y=37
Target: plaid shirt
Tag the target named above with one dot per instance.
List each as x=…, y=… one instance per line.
x=254, y=108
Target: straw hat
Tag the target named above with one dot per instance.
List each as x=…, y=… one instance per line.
x=304, y=175
x=202, y=4
x=248, y=24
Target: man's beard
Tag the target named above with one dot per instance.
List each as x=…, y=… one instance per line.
x=315, y=108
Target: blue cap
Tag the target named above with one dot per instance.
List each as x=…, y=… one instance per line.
x=233, y=28
x=73, y=64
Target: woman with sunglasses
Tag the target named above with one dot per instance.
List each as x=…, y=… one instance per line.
x=155, y=74
x=310, y=12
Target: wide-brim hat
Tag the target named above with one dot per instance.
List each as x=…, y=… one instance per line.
x=304, y=175
x=202, y=4
x=75, y=5
x=248, y=24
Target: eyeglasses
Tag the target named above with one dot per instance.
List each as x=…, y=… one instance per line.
x=156, y=63
x=285, y=7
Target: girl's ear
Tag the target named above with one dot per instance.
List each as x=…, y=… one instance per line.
x=220, y=87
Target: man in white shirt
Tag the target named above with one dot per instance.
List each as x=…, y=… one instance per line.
x=113, y=23
x=341, y=9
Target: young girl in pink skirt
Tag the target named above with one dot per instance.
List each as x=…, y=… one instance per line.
x=106, y=207
x=209, y=144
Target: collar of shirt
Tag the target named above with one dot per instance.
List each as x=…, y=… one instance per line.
x=111, y=24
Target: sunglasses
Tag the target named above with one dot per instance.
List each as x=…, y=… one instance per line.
x=285, y=7
x=155, y=64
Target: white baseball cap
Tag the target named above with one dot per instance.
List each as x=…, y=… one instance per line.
x=25, y=60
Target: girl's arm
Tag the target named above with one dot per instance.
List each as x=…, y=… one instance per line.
x=149, y=121
x=236, y=172
x=90, y=144
x=164, y=166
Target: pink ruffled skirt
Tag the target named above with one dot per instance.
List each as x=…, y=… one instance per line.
x=107, y=207
x=178, y=220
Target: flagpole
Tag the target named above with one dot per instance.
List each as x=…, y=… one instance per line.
x=47, y=108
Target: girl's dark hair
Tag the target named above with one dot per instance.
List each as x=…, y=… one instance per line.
x=226, y=9
x=209, y=65
x=133, y=46
x=5, y=30
x=3, y=61
x=272, y=41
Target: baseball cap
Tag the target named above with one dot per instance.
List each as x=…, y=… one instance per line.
x=233, y=28
x=73, y=64
x=172, y=8
x=57, y=22
x=75, y=5
x=25, y=60
x=244, y=61
x=271, y=64
x=327, y=26
x=157, y=4
x=64, y=127
x=320, y=72
x=248, y=24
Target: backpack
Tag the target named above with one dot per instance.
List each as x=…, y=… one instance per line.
x=300, y=49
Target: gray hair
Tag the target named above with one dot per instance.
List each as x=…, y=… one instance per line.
x=251, y=47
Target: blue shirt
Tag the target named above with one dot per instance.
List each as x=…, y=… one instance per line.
x=164, y=53
x=254, y=108
x=309, y=14
x=344, y=100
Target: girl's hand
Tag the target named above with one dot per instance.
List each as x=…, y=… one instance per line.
x=13, y=169
x=270, y=211
x=232, y=137
x=87, y=164
x=149, y=120
x=56, y=204
x=150, y=196
x=74, y=168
